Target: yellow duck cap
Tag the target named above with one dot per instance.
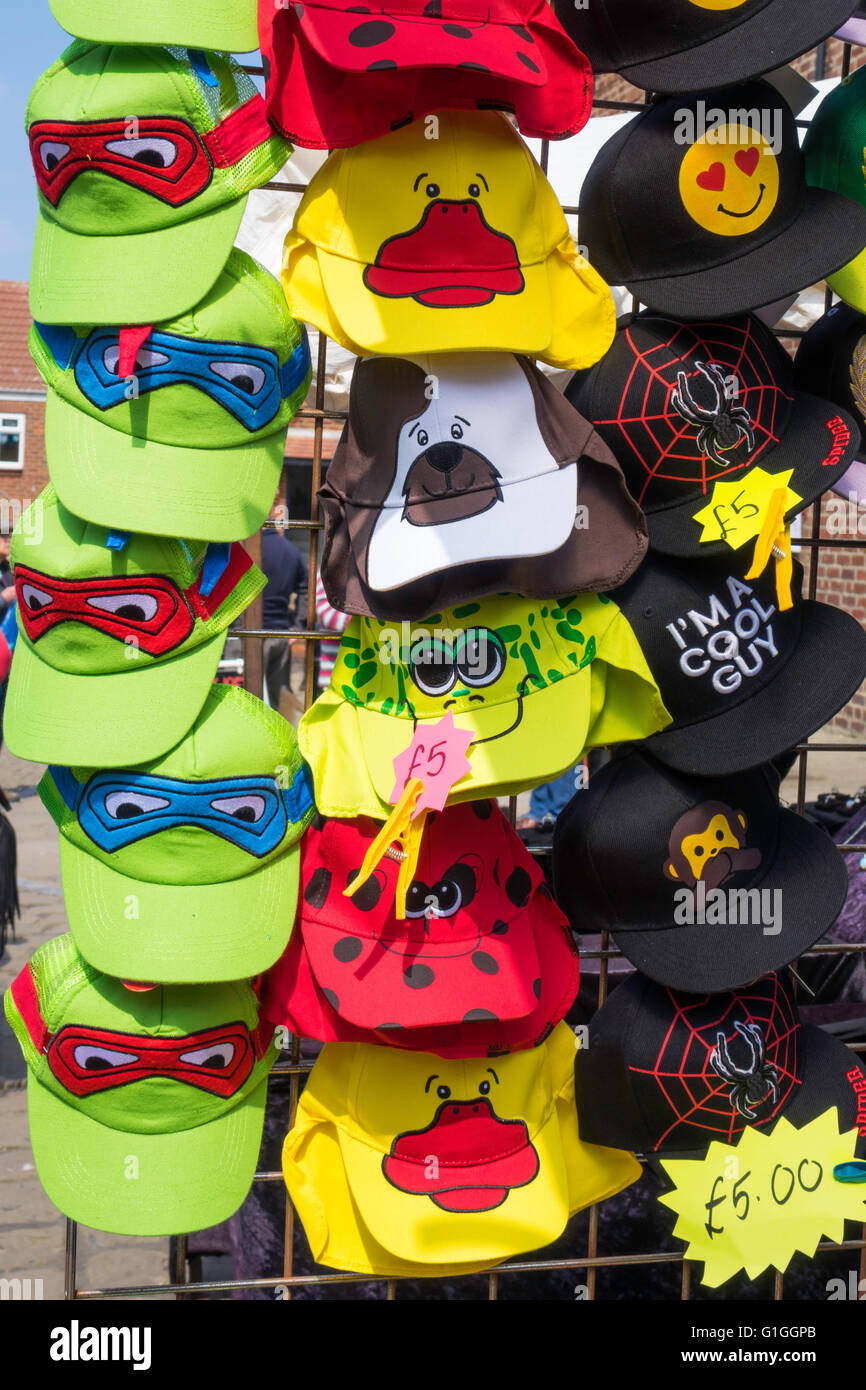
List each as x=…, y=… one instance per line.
x=446, y=1165
x=444, y=236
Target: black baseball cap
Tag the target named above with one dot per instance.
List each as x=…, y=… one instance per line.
x=680, y=45
x=742, y=680
x=831, y=362
x=684, y=406
x=639, y=851
x=665, y=1073
x=699, y=227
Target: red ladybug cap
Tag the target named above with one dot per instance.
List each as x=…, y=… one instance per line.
x=485, y=963
x=337, y=74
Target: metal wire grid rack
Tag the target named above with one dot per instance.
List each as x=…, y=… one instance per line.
x=291, y=1069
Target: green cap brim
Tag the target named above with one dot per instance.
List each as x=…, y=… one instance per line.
x=118, y=280
x=165, y=933
x=850, y=283
x=110, y=720
x=225, y=25
x=144, y=1184
x=105, y=476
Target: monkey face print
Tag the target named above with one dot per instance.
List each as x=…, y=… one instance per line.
x=705, y=883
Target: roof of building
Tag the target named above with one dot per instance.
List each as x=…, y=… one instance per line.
x=17, y=370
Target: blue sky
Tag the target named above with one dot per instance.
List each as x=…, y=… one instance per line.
x=32, y=40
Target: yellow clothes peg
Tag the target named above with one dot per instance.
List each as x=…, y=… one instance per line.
x=404, y=828
x=774, y=541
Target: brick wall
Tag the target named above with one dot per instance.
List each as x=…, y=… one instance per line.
x=841, y=582
x=18, y=487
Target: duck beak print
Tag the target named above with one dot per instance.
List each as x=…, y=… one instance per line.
x=479, y=1158
x=453, y=259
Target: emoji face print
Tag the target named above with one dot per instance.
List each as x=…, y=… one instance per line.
x=729, y=181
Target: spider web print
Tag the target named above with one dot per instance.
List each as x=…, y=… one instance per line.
x=700, y=1101
x=653, y=432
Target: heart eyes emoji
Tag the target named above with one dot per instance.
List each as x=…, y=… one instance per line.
x=730, y=184
x=713, y=179
x=747, y=160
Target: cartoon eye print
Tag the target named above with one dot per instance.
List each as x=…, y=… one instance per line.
x=144, y=358
x=127, y=804
x=729, y=184
x=51, y=152
x=217, y=1056
x=137, y=607
x=245, y=808
x=454, y=890
x=244, y=376
x=35, y=599
x=431, y=664
x=101, y=1058
x=153, y=151
x=479, y=657
x=432, y=190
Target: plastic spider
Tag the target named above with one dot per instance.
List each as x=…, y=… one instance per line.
x=722, y=427
x=751, y=1085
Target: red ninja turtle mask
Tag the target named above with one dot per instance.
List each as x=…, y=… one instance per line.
x=483, y=963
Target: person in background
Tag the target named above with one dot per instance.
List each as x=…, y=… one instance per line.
x=547, y=800
x=284, y=600
x=331, y=620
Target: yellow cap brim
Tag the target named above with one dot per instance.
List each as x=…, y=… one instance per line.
x=549, y=737
x=564, y=315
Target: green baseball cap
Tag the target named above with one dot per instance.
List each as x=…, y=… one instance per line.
x=185, y=868
x=834, y=150
x=145, y=1104
x=224, y=24
x=536, y=683
x=143, y=158
x=119, y=636
x=179, y=428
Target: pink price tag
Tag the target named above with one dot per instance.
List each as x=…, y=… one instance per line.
x=437, y=757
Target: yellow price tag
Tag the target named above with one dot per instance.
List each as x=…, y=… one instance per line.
x=736, y=511
x=755, y=1203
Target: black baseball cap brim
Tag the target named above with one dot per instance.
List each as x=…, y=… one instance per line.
x=813, y=879
x=826, y=667
x=828, y=232
x=768, y=40
x=805, y=445
x=824, y=1084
